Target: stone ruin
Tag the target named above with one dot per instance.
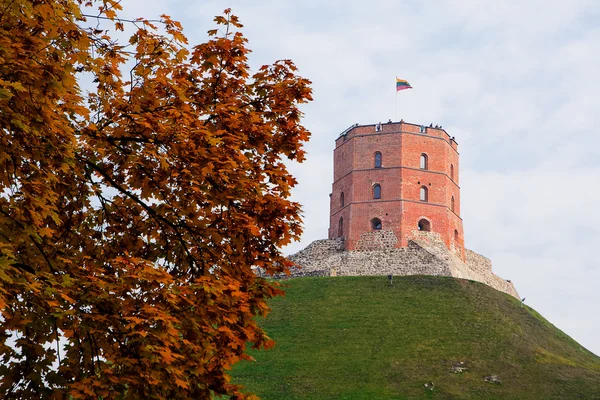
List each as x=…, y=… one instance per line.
x=426, y=254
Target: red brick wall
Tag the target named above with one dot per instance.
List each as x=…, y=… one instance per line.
x=400, y=177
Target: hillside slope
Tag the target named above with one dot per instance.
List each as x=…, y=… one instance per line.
x=362, y=338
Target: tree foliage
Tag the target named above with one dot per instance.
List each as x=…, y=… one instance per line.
x=131, y=215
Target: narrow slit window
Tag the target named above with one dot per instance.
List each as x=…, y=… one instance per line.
x=451, y=171
x=341, y=227
x=376, y=191
x=378, y=160
x=452, y=203
x=342, y=203
x=423, y=161
x=423, y=195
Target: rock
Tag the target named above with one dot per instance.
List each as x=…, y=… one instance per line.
x=459, y=367
x=493, y=379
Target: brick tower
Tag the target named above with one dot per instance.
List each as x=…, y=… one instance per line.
x=392, y=180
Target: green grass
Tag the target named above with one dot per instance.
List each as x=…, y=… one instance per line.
x=360, y=338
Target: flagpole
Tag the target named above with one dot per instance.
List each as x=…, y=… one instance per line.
x=396, y=90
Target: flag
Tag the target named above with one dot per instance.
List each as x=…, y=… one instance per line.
x=401, y=84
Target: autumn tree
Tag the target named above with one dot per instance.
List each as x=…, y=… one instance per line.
x=133, y=213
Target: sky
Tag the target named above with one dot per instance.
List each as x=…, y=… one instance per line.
x=515, y=81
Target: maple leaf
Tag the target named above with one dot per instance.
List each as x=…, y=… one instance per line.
x=131, y=215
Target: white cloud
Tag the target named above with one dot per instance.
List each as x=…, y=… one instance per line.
x=515, y=81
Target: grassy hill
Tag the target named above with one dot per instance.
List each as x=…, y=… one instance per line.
x=360, y=338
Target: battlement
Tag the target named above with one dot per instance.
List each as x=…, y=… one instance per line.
x=400, y=127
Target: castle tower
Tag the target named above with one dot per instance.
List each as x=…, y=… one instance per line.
x=392, y=180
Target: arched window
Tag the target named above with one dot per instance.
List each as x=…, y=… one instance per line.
x=376, y=224
x=424, y=225
x=451, y=172
x=455, y=236
x=341, y=227
x=423, y=161
x=376, y=191
x=452, y=203
x=342, y=200
x=378, y=160
x=423, y=194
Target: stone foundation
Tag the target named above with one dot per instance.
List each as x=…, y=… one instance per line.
x=426, y=254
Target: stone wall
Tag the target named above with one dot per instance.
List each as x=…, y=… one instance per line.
x=477, y=262
x=318, y=250
x=377, y=240
x=426, y=254
x=477, y=267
